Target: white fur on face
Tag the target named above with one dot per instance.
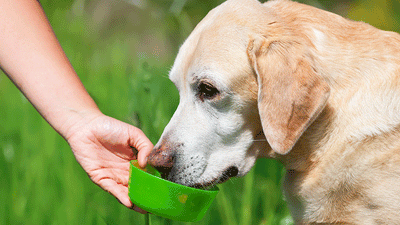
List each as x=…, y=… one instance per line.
x=211, y=136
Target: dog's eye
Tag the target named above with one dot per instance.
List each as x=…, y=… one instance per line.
x=207, y=91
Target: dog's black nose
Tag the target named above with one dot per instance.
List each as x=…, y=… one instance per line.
x=162, y=157
x=231, y=171
x=162, y=163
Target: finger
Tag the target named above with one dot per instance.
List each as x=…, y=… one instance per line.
x=143, y=155
x=120, y=175
x=144, y=146
x=119, y=191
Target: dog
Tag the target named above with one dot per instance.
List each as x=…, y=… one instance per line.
x=283, y=80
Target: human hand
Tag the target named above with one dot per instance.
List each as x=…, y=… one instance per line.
x=103, y=146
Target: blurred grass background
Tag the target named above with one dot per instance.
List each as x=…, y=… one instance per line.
x=122, y=51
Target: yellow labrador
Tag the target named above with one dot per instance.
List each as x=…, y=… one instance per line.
x=323, y=91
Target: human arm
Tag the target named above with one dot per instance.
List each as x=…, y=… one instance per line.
x=32, y=58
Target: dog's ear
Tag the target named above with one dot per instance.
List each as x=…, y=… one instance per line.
x=290, y=92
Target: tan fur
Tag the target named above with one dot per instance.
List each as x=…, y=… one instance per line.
x=302, y=92
x=326, y=92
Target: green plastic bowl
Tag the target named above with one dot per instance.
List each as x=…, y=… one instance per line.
x=164, y=198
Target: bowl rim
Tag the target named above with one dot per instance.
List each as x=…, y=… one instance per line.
x=213, y=188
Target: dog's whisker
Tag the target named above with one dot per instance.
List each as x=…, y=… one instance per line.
x=163, y=76
x=258, y=140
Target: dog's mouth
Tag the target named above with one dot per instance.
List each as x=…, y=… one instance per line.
x=230, y=172
x=164, y=172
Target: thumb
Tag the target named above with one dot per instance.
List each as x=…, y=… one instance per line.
x=138, y=140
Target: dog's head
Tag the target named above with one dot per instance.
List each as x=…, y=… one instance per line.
x=241, y=80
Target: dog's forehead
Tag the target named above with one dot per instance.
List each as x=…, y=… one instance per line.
x=218, y=43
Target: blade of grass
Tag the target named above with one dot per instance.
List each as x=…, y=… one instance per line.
x=147, y=219
x=226, y=210
x=247, y=198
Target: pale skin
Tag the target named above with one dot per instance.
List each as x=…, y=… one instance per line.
x=33, y=59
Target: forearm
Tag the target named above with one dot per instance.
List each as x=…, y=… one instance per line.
x=32, y=57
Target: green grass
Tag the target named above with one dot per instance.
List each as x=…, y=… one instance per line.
x=123, y=62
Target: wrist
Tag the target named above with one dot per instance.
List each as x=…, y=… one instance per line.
x=72, y=121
